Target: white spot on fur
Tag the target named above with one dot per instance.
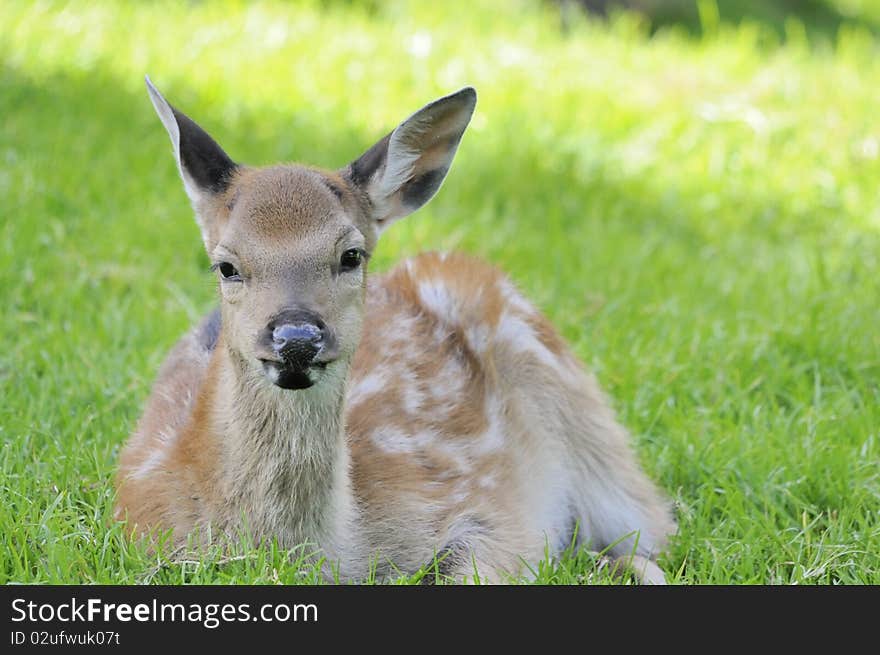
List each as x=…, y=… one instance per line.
x=459, y=453
x=449, y=383
x=367, y=386
x=478, y=337
x=487, y=482
x=435, y=297
x=167, y=436
x=412, y=397
x=518, y=335
x=493, y=438
x=400, y=328
x=514, y=298
x=399, y=442
x=150, y=464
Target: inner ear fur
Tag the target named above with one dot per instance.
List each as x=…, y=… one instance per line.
x=404, y=170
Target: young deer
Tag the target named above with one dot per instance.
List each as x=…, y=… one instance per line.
x=431, y=412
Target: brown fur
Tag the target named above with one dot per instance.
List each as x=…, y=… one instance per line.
x=455, y=420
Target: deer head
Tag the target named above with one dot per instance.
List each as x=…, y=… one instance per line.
x=290, y=243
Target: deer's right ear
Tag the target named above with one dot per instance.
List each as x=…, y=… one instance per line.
x=205, y=168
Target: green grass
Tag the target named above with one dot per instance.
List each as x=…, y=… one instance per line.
x=818, y=19
x=700, y=216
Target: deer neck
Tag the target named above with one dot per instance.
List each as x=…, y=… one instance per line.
x=285, y=458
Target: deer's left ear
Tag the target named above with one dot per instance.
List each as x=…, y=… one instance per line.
x=405, y=169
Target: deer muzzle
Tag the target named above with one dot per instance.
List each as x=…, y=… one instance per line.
x=299, y=341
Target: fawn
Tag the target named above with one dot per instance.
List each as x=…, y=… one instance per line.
x=430, y=414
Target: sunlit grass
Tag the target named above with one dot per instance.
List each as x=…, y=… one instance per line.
x=700, y=218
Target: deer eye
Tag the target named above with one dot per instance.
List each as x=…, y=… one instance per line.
x=228, y=272
x=351, y=259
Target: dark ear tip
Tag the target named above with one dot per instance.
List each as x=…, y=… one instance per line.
x=467, y=93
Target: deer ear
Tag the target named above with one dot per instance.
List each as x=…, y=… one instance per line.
x=404, y=170
x=205, y=168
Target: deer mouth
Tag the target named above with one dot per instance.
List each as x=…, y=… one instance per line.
x=287, y=375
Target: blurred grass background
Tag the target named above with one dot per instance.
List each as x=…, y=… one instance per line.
x=820, y=19
x=689, y=190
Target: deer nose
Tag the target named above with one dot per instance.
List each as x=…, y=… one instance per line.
x=298, y=339
x=297, y=343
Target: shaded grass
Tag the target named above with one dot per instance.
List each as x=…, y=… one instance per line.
x=699, y=218
x=817, y=20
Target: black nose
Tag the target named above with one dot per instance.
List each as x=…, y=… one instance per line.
x=297, y=337
x=297, y=343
